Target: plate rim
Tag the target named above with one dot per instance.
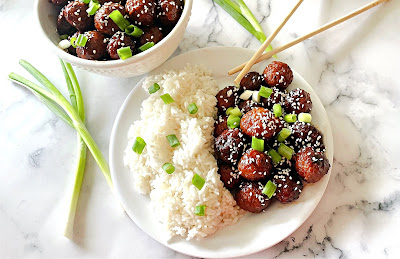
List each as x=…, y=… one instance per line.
x=113, y=169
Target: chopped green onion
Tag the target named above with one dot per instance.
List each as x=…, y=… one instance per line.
x=269, y=189
x=290, y=118
x=167, y=98
x=305, y=117
x=233, y=122
x=73, y=42
x=265, y=92
x=86, y=1
x=138, y=145
x=93, y=7
x=192, y=108
x=133, y=30
x=64, y=37
x=283, y=134
x=228, y=111
x=276, y=158
x=200, y=210
x=257, y=144
x=146, y=46
x=81, y=40
x=285, y=151
x=168, y=167
x=119, y=19
x=154, y=88
x=173, y=140
x=124, y=52
x=234, y=112
x=198, y=181
x=277, y=108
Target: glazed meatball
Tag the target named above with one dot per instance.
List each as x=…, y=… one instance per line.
x=95, y=48
x=288, y=186
x=251, y=81
x=75, y=13
x=306, y=135
x=229, y=176
x=151, y=34
x=248, y=105
x=114, y=1
x=278, y=74
x=229, y=145
x=141, y=12
x=250, y=197
x=277, y=97
x=119, y=40
x=255, y=165
x=220, y=125
x=64, y=27
x=260, y=123
x=226, y=98
x=102, y=20
x=311, y=165
x=58, y=2
x=169, y=12
x=298, y=101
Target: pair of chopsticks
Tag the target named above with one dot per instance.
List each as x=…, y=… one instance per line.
x=258, y=56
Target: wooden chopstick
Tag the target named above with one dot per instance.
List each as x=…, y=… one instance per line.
x=264, y=46
x=309, y=35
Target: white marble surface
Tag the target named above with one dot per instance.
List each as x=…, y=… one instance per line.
x=353, y=68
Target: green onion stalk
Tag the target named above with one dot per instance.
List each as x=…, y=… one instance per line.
x=242, y=14
x=74, y=115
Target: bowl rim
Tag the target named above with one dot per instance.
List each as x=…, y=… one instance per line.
x=110, y=63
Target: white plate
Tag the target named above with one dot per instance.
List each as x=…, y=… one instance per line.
x=253, y=232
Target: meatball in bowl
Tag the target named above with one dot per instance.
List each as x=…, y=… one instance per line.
x=94, y=36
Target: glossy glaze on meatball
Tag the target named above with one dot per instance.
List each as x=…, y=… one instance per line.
x=248, y=105
x=260, y=123
x=229, y=146
x=288, y=186
x=220, y=125
x=229, y=176
x=298, y=101
x=141, y=12
x=255, y=165
x=102, y=20
x=306, y=135
x=251, y=81
x=278, y=74
x=169, y=12
x=311, y=165
x=226, y=98
x=95, y=48
x=64, y=27
x=75, y=13
x=119, y=40
x=151, y=34
x=277, y=97
x=250, y=197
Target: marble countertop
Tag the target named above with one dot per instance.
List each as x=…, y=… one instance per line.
x=353, y=68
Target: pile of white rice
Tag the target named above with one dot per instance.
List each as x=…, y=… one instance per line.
x=174, y=197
